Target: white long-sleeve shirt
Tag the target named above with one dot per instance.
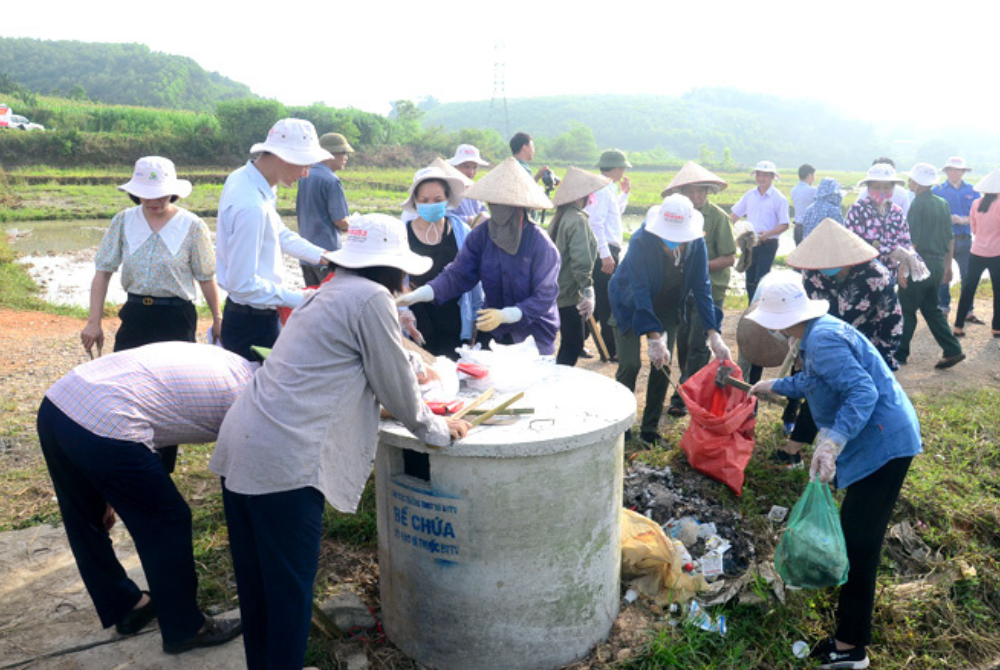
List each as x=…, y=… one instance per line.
x=606, y=218
x=250, y=237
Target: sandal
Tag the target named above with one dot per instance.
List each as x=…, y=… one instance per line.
x=972, y=318
x=996, y=334
x=958, y=332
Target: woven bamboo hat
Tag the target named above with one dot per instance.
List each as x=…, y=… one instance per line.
x=509, y=184
x=757, y=344
x=450, y=170
x=578, y=184
x=990, y=183
x=830, y=245
x=693, y=174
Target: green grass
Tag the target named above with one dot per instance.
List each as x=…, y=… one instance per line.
x=952, y=498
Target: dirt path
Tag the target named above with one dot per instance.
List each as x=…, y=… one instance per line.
x=36, y=349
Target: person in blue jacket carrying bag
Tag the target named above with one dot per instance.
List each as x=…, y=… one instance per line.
x=667, y=260
x=868, y=436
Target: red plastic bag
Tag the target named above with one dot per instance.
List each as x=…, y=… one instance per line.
x=719, y=441
x=285, y=312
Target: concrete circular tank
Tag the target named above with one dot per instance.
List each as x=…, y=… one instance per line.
x=503, y=551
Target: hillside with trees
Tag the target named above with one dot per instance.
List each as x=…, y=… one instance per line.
x=123, y=74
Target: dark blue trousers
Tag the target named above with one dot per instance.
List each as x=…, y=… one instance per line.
x=275, y=540
x=90, y=472
x=760, y=265
x=244, y=327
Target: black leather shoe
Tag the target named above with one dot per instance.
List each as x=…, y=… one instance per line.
x=136, y=619
x=217, y=631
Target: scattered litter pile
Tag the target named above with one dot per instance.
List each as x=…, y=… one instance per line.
x=671, y=499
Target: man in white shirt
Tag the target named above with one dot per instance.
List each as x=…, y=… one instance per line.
x=605, y=212
x=767, y=209
x=251, y=236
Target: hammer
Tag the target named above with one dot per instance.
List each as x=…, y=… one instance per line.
x=723, y=378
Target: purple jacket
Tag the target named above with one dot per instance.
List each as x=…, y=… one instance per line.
x=526, y=280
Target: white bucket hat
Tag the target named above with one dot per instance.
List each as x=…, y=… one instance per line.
x=154, y=177
x=924, y=174
x=958, y=163
x=765, y=166
x=990, y=183
x=378, y=239
x=676, y=220
x=784, y=303
x=880, y=172
x=456, y=187
x=466, y=153
x=293, y=141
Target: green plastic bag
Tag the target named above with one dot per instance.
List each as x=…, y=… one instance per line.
x=812, y=553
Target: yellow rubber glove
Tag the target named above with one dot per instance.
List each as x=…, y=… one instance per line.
x=489, y=319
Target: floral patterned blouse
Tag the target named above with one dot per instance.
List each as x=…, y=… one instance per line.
x=866, y=299
x=164, y=264
x=884, y=232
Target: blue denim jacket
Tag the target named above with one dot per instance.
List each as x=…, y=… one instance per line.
x=639, y=277
x=852, y=392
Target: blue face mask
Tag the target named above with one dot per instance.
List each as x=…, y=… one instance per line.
x=431, y=212
x=671, y=245
x=829, y=272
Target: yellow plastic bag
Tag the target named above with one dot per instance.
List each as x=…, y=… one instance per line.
x=650, y=560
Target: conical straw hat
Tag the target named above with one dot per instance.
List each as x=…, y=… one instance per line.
x=578, y=184
x=757, y=344
x=830, y=245
x=451, y=171
x=509, y=184
x=990, y=183
x=692, y=173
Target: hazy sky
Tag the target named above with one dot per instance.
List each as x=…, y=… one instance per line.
x=877, y=61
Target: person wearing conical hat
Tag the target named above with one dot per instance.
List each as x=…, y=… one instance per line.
x=666, y=261
x=843, y=269
x=514, y=259
x=437, y=233
x=570, y=230
x=605, y=212
x=696, y=183
x=985, y=252
x=767, y=209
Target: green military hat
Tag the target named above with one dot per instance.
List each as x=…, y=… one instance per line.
x=613, y=158
x=336, y=143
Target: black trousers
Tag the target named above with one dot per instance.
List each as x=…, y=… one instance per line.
x=148, y=324
x=90, y=472
x=244, y=327
x=970, y=282
x=572, y=333
x=602, y=307
x=865, y=517
x=763, y=259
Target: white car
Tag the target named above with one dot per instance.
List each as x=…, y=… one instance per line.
x=22, y=123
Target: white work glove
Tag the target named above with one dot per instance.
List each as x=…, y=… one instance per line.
x=423, y=294
x=719, y=347
x=408, y=324
x=489, y=319
x=911, y=266
x=587, y=302
x=761, y=387
x=824, y=459
x=657, y=351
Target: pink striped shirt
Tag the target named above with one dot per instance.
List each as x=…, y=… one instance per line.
x=159, y=395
